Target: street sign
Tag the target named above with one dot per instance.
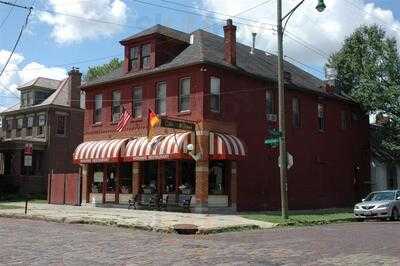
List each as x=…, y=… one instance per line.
x=28, y=160
x=290, y=161
x=28, y=149
x=272, y=141
x=177, y=124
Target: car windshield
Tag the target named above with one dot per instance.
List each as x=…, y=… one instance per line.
x=378, y=196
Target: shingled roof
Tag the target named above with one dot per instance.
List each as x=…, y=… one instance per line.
x=160, y=29
x=41, y=82
x=209, y=48
x=61, y=97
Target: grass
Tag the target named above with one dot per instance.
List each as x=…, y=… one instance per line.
x=301, y=218
x=8, y=207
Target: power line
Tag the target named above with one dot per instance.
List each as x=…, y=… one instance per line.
x=8, y=14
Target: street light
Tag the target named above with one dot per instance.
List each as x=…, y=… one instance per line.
x=281, y=95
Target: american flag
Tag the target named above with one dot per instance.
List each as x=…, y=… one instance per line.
x=125, y=117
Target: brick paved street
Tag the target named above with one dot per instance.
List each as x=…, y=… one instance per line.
x=42, y=243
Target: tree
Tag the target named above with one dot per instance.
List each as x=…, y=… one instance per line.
x=368, y=70
x=101, y=70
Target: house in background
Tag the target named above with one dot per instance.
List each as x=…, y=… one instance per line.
x=228, y=91
x=46, y=124
x=385, y=166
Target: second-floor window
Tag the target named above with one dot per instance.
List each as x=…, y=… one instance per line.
x=137, y=103
x=29, y=125
x=321, y=117
x=161, y=96
x=344, y=120
x=145, y=52
x=269, y=101
x=41, y=124
x=20, y=125
x=184, y=95
x=61, y=125
x=296, y=112
x=116, y=106
x=98, y=105
x=215, y=94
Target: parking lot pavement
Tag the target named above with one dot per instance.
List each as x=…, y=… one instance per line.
x=42, y=243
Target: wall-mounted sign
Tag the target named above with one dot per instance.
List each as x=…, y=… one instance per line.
x=28, y=149
x=28, y=160
x=177, y=124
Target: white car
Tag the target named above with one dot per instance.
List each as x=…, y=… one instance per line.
x=379, y=204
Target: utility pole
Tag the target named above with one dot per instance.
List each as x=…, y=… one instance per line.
x=281, y=111
x=281, y=101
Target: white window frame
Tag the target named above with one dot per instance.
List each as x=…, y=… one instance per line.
x=215, y=92
x=185, y=96
x=137, y=103
x=116, y=103
x=98, y=100
x=161, y=100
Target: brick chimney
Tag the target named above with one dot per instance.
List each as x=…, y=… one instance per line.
x=230, y=42
x=75, y=83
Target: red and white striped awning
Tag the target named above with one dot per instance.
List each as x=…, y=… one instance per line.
x=162, y=147
x=226, y=147
x=99, y=151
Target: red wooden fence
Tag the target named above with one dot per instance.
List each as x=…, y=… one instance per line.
x=64, y=189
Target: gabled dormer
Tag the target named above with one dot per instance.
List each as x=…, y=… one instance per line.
x=153, y=47
x=37, y=90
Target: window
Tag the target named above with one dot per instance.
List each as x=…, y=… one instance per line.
x=98, y=104
x=137, y=102
x=344, y=120
x=146, y=56
x=30, y=98
x=215, y=94
x=29, y=126
x=217, y=182
x=269, y=100
x=97, y=184
x=134, y=61
x=61, y=125
x=392, y=177
x=24, y=99
x=321, y=117
x=161, y=95
x=184, y=95
x=8, y=127
x=116, y=106
x=20, y=125
x=41, y=124
x=296, y=112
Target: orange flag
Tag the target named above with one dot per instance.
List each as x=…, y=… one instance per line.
x=153, y=121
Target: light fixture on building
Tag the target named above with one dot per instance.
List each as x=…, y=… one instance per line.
x=190, y=148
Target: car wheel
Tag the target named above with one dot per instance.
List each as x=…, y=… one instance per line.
x=395, y=215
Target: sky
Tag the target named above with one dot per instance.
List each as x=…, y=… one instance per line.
x=82, y=33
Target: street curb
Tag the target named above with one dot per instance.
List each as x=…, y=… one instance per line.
x=170, y=229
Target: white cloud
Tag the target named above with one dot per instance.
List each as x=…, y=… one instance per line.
x=18, y=72
x=324, y=31
x=69, y=29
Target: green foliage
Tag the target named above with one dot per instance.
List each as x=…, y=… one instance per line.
x=368, y=69
x=101, y=70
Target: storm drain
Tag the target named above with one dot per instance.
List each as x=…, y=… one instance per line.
x=186, y=229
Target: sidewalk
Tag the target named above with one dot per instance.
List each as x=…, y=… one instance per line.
x=138, y=219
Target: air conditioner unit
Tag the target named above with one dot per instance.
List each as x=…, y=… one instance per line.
x=272, y=117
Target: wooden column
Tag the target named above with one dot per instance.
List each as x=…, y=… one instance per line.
x=85, y=175
x=117, y=183
x=105, y=168
x=136, y=176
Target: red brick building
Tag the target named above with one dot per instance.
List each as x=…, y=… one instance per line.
x=49, y=119
x=231, y=96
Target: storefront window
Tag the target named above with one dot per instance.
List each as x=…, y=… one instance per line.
x=111, y=176
x=126, y=178
x=216, y=180
x=150, y=176
x=97, y=178
x=188, y=176
x=170, y=177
